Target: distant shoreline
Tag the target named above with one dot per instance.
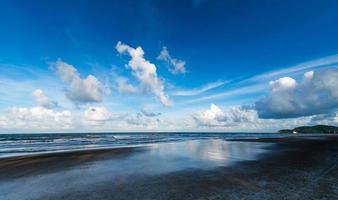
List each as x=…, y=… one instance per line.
x=318, y=129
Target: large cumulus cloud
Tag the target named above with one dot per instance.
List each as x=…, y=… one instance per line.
x=316, y=94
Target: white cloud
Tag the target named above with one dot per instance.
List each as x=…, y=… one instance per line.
x=285, y=83
x=78, y=90
x=216, y=117
x=239, y=118
x=200, y=90
x=124, y=87
x=144, y=71
x=36, y=118
x=316, y=94
x=98, y=114
x=40, y=119
x=175, y=66
x=213, y=116
x=308, y=75
x=140, y=121
x=43, y=100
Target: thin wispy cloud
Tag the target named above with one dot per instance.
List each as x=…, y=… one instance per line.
x=259, y=83
x=299, y=68
x=200, y=90
x=246, y=90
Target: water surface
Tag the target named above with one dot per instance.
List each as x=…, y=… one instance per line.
x=25, y=144
x=156, y=159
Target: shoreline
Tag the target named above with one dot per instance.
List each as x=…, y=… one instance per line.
x=18, y=166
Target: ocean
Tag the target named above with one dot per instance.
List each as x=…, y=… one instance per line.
x=26, y=144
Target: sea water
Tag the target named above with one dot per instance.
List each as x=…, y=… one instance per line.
x=26, y=144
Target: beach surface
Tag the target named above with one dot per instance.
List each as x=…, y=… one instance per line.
x=266, y=168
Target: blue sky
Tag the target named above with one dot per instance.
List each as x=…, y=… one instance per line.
x=222, y=67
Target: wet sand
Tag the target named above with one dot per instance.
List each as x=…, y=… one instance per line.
x=283, y=168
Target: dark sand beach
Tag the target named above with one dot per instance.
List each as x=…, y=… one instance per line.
x=272, y=168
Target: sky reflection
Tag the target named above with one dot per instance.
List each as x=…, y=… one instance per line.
x=157, y=159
